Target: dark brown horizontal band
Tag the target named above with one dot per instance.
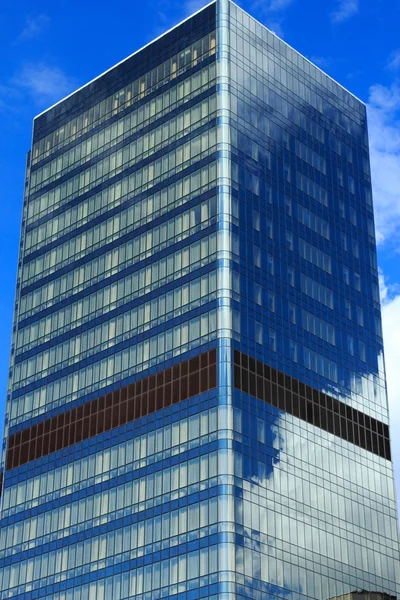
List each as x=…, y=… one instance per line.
x=308, y=404
x=136, y=400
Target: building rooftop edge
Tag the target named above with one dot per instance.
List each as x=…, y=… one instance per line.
x=174, y=27
x=302, y=55
x=124, y=59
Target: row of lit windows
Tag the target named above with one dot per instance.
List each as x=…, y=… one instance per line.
x=101, y=301
x=103, y=464
x=115, y=259
x=133, y=537
x=145, y=177
x=115, y=195
x=173, y=162
x=124, y=363
x=135, y=250
x=168, y=572
x=133, y=216
x=125, y=97
x=316, y=290
x=116, y=132
x=37, y=298
x=112, y=230
x=140, y=148
x=174, y=303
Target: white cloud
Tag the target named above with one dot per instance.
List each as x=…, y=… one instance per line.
x=270, y=12
x=34, y=26
x=391, y=336
x=323, y=62
x=192, y=6
x=394, y=60
x=271, y=6
x=44, y=83
x=384, y=133
x=9, y=98
x=345, y=10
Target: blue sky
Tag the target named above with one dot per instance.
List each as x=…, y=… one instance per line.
x=50, y=48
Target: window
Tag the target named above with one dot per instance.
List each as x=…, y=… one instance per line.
x=347, y=309
x=292, y=312
x=272, y=340
x=257, y=256
x=258, y=331
x=257, y=294
x=256, y=220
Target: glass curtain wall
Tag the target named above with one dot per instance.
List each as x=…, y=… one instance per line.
x=197, y=401
x=315, y=507
x=111, y=472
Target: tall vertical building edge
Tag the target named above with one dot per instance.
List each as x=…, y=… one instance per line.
x=197, y=400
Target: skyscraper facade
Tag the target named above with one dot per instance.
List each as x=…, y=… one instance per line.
x=197, y=401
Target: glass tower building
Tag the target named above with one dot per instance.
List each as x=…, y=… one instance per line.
x=197, y=402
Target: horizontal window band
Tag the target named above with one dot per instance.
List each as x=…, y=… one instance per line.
x=56, y=373
x=79, y=327
x=121, y=114
x=133, y=196
x=146, y=396
x=125, y=168
x=137, y=65
x=308, y=404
